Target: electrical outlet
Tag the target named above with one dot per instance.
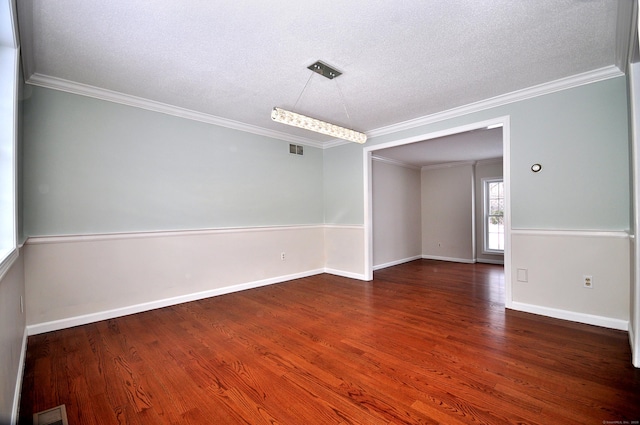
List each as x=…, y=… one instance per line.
x=587, y=281
x=282, y=256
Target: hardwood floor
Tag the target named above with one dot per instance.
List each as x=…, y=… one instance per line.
x=426, y=342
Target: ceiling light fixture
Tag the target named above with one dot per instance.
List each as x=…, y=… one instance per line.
x=302, y=121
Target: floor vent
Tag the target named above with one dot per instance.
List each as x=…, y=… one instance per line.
x=55, y=416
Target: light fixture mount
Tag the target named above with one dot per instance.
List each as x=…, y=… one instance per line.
x=302, y=121
x=325, y=70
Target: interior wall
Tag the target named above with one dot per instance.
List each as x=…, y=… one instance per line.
x=93, y=166
x=74, y=280
x=580, y=136
x=485, y=170
x=96, y=167
x=342, y=177
x=447, y=212
x=127, y=209
x=548, y=281
x=396, y=214
x=13, y=334
x=634, y=293
x=12, y=338
x=343, y=245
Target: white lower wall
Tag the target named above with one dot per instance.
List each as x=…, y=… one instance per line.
x=344, y=251
x=555, y=263
x=13, y=339
x=81, y=279
x=633, y=302
x=74, y=280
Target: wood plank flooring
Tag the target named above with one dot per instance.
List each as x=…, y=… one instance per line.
x=426, y=342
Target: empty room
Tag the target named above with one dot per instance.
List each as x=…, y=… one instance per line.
x=281, y=212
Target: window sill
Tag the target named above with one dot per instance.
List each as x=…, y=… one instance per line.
x=8, y=262
x=487, y=252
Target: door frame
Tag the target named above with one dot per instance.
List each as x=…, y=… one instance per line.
x=506, y=162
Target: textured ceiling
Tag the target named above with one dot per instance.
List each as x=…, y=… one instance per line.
x=236, y=60
x=6, y=29
x=473, y=145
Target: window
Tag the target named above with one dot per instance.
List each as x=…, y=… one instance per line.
x=8, y=91
x=493, y=215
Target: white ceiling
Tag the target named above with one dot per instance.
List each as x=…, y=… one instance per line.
x=6, y=29
x=476, y=145
x=231, y=62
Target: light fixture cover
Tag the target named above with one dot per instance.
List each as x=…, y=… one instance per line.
x=308, y=123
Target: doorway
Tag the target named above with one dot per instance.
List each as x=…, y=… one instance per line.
x=370, y=152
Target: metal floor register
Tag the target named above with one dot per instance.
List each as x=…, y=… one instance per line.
x=55, y=416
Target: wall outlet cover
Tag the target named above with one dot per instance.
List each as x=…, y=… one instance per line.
x=522, y=275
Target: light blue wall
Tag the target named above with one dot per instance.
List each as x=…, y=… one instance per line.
x=580, y=136
x=96, y=167
x=343, y=188
x=92, y=166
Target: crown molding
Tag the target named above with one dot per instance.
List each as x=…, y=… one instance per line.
x=625, y=31
x=336, y=142
x=498, y=160
x=435, y=166
x=394, y=162
x=138, y=102
x=516, y=96
x=448, y=165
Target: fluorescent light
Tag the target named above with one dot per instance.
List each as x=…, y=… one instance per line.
x=492, y=126
x=302, y=121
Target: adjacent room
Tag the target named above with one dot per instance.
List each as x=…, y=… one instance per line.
x=312, y=213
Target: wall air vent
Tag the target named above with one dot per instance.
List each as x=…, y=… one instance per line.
x=296, y=149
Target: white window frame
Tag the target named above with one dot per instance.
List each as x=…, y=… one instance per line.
x=9, y=74
x=485, y=216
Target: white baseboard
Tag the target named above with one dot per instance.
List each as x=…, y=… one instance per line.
x=396, y=262
x=485, y=261
x=55, y=325
x=18, y=391
x=589, y=319
x=343, y=273
x=635, y=357
x=138, y=308
x=452, y=259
